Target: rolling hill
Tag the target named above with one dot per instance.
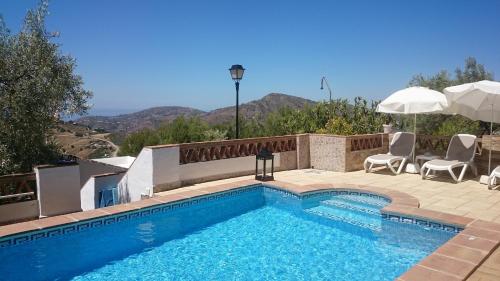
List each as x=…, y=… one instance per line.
x=153, y=117
x=148, y=118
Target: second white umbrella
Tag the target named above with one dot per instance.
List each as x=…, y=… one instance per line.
x=477, y=101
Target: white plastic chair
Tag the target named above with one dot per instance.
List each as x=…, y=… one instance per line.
x=400, y=151
x=461, y=152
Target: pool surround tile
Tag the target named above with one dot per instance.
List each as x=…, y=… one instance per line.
x=422, y=273
x=473, y=242
x=448, y=265
x=463, y=253
x=87, y=215
x=54, y=221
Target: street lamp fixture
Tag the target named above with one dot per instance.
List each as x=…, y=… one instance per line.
x=237, y=74
x=323, y=80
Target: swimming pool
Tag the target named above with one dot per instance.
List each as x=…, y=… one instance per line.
x=253, y=233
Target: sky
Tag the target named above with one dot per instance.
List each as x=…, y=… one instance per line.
x=138, y=54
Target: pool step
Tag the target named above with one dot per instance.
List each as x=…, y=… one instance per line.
x=364, y=209
x=344, y=215
x=361, y=200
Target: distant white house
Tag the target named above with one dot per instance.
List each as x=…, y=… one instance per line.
x=123, y=161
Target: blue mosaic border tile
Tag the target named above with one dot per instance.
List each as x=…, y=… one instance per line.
x=282, y=192
x=422, y=222
x=112, y=219
x=344, y=192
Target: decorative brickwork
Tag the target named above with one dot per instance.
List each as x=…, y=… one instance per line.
x=210, y=151
x=364, y=142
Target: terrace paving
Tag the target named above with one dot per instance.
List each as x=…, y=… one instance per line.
x=468, y=198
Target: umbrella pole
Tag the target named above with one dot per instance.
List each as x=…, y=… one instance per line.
x=491, y=141
x=415, y=139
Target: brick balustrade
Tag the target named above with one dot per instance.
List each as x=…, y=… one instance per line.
x=438, y=144
x=217, y=150
x=364, y=142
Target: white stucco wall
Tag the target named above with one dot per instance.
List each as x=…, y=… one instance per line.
x=89, y=194
x=233, y=166
x=89, y=168
x=58, y=189
x=166, y=165
x=18, y=211
x=138, y=179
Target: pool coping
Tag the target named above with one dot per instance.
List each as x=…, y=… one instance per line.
x=456, y=259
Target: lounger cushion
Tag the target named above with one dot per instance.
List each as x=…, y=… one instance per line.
x=383, y=157
x=402, y=144
x=442, y=163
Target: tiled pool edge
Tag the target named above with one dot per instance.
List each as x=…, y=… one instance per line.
x=455, y=260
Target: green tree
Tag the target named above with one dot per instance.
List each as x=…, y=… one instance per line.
x=183, y=130
x=433, y=124
x=338, y=126
x=458, y=124
x=134, y=142
x=37, y=84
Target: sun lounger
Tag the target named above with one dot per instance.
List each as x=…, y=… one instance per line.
x=495, y=174
x=461, y=151
x=400, y=151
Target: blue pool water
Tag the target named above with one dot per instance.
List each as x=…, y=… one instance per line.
x=259, y=234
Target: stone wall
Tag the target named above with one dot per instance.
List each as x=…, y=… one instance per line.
x=328, y=152
x=303, y=151
x=355, y=158
x=344, y=153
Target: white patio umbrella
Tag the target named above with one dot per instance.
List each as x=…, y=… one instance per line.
x=414, y=100
x=477, y=101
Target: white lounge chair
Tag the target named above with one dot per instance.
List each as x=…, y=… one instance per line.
x=495, y=174
x=400, y=151
x=461, y=152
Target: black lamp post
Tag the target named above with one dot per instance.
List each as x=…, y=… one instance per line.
x=236, y=74
x=323, y=80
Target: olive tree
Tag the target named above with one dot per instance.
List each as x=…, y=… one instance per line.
x=437, y=124
x=38, y=84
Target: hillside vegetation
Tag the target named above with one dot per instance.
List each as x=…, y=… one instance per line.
x=153, y=118
x=339, y=118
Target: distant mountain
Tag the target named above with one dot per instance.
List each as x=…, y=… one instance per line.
x=258, y=109
x=153, y=117
x=148, y=118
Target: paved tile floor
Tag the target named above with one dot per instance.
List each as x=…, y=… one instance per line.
x=468, y=198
